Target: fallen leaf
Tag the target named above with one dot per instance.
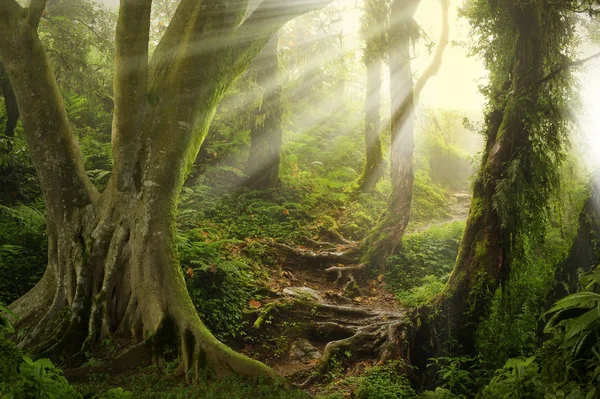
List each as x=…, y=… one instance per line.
x=254, y=304
x=358, y=299
x=380, y=278
x=190, y=272
x=286, y=212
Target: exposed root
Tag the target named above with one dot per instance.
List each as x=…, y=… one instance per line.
x=367, y=334
x=344, y=274
x=348, y=256
x=373, y=334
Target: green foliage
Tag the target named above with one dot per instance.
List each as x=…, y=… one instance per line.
x=424, y=262
x=22, y=250
x=429, y=200
x=152, y=384
x=18, y=179
x=577, y=318
x=385, y=382
x=220, y=285
x=521, y=378
x=38, y=379
x=458, y=375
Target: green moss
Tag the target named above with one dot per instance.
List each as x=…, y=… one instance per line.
x=481, y=249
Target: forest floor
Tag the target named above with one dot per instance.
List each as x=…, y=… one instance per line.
x=317, y=322
x=345, y=314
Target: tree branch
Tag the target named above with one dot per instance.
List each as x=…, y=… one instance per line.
x=50, y=137
x=34, y=12
x=558, y=70
x=8, y=10
x=265, y=21
x=130, y=85
x=434, y=67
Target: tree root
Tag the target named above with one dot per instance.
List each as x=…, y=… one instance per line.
x=349, y=256
x=349, y=333
x=375, y=334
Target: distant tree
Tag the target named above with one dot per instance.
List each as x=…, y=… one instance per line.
x=266, y=132
x=374, y=34
x=402, y=31
x=112, y=263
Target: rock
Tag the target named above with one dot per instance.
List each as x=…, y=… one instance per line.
x=303, y=293
x=302, y=351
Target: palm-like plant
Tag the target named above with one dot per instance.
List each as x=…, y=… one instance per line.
x=577, y=316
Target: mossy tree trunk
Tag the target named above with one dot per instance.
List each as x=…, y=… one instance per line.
x=387, y=235
x=266, y=132
x=484, y=256
x=112, y=263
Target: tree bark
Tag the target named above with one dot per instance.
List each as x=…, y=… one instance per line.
x=266, y=133
x=484, y=256
x=112, y=263
x=387, y=235
x=373, y=169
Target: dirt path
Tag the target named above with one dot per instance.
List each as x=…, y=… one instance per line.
x=458, y=208
x=321, y=321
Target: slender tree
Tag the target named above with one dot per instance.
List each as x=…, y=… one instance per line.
x=388, y=233
x=112, y=263
x=265, y=130
x=374, y=34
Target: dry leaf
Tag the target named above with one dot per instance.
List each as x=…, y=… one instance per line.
x=254, y=304
x=190, y=272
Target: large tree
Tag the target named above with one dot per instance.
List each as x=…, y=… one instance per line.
x=524, y=45
x=112, y=263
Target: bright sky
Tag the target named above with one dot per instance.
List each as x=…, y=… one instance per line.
x=589, y=115
x=456, y=84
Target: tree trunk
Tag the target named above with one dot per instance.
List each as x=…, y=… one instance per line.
x=388, y=233
x=112, y=259
x=484, y=256
x=373, y=169
x=266, y=131
x=374, y=35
